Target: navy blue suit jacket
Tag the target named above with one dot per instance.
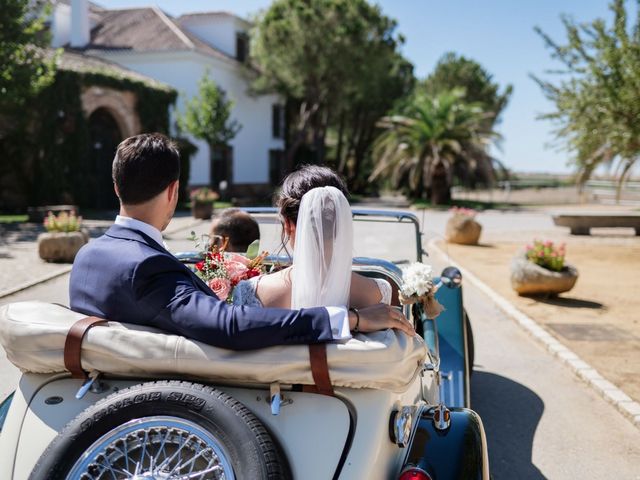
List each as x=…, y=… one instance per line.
x=126, y=276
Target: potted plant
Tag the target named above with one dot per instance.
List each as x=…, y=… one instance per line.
x=202, y=202
x=63, y=239
x=462, y=227
x=542, y=270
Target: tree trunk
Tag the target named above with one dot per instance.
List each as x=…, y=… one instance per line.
x=341, y=161
x=304, y=116
x=440, y=186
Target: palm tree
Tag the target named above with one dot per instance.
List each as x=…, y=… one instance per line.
x=433, y=138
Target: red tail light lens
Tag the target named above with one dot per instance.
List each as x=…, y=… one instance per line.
x=414, y=473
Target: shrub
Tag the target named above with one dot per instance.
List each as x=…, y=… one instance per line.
x=204, y=195
x=547, y=255
x=63, y=222
x=463, y=211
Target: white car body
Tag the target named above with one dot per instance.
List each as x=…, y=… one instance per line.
x=349, y=436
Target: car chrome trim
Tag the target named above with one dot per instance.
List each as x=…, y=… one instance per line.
x=441, y=417
x=402, y=423
x=398, y=215
x=4, y=408
x=433, y=365
x=207, y=453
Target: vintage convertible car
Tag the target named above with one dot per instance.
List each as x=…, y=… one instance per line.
x=128, y=402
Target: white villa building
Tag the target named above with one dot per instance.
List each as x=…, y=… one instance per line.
x=178, y=52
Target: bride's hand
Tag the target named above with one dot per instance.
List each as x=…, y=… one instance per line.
x=380, y=317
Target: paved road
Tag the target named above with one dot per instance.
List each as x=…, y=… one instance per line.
x=541, y=421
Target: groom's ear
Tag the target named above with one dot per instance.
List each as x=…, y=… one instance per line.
x=172, y=189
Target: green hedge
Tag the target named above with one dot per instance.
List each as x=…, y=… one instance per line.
x=47, y=153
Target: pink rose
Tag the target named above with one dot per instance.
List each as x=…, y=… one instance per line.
x=236, y=271
x=221, y=287
x=234, y=257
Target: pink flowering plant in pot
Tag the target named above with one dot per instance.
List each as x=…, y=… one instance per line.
x=546, y=254
x=63, y=239
x=462, y=227
x=202, y=200
x=542, y=270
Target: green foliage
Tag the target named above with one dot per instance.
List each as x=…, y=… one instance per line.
x=187, y=150
x=458, y=71
x=546, y=254
x=597, y=106
x=47, y=153
x=13, y=218
x=337, y=61
x=63, y=222
x=419, y=146
x=25, y=67
x=253, y=249
x=207, y=115
x=204, y=195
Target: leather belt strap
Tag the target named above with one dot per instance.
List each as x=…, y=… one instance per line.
x=73, y=345
x=320, y=369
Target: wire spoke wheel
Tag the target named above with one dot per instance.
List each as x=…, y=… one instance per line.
x=163, y=430
x=159, y=448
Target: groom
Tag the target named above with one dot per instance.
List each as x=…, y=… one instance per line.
x=127, y=275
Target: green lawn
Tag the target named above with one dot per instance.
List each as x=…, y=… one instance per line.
x=13, y=218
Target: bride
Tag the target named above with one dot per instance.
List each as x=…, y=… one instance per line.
x=317, y=224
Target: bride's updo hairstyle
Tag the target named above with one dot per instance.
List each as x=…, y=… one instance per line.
x=297, y=183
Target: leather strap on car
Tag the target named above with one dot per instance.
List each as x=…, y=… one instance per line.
x=320, y=369
x=73, y=345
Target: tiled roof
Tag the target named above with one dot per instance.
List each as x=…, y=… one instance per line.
x=81, y=62
x=146, y=30
x=188, y=16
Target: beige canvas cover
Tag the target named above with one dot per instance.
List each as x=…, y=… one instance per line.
x=33, y=335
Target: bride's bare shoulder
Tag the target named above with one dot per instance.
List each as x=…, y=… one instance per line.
x=274, y=289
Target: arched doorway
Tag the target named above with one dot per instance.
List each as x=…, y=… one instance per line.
x=105, y=137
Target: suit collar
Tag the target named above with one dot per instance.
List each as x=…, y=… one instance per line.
x=135, y=224
x=126, y=233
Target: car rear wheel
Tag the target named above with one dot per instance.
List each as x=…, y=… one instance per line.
x=168, y=430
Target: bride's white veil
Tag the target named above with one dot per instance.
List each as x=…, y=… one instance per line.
x=322, y=253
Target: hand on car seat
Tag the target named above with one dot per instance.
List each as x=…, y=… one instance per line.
x=380, y=317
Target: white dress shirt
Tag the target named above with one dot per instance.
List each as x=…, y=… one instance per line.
x=148, y=230
x=338, y=316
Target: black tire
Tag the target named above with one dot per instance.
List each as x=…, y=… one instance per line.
x=471, y=351
x=242, y=440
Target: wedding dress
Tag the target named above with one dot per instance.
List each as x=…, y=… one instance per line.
x=322, y=255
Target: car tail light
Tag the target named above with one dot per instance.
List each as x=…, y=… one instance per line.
x=414, y=473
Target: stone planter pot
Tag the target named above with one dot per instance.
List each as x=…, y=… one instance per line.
x=527, y=278
x=61, y=247
x=463, y=229
x=202, y=210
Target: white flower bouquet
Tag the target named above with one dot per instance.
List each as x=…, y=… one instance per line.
x=418, y=286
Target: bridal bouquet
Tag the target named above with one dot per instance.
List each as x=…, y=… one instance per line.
x=417, y=286
x=222, y=270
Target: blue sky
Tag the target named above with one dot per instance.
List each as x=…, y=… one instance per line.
x=497, y=33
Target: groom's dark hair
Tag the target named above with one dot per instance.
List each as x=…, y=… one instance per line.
x=144, y=166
